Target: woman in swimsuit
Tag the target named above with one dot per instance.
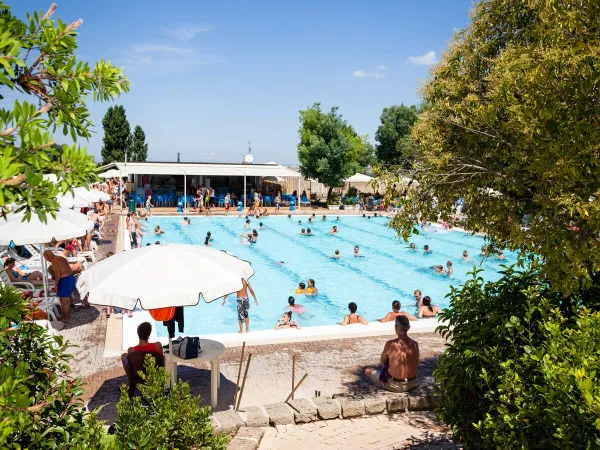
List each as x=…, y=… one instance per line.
x=427, y=309
x=286, y=321
x=298, y=309
x=353, y=318
x=311, y=290
x=15, y=274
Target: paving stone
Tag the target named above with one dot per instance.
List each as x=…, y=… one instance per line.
x=251, y=433
x=375, y=406
x=241, y=444
x=327, y=408
x=304, y=410
x=352, y=408
x=279, y=414
x=398, y=404
x=256, y=416
x=227, y=421
x=421, y=402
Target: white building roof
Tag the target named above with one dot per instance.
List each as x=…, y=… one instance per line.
x=224, y=169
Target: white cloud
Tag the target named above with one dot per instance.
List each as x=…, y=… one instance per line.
x=157, y=48
x=428, y=59
x=187, y=32
x=363, y=74
x=382, y=67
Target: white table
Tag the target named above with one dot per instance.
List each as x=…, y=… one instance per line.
x=212, y=352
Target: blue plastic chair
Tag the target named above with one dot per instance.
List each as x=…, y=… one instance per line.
x=267, y=200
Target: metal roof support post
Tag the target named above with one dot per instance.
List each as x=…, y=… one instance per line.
x=299, y=198
x=184, y=192
x=244, y=191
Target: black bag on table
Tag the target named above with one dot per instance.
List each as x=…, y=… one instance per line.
x=187, y=347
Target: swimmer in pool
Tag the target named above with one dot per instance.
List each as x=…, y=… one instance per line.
x=301, y=289
x=311, y=290
x=293, y=306
x=324, y=218
x=158, y=231
x=303, y=232
x=450, y=270
x=439, y=270
x=357, y=251
x=186, y=221
x=484, y=251
x=260, y=226
x=280, y=263
x=334, y=230
x=337, y=218
x=418, y=298
x=286, y=322
x=412, y=246
x=310, y=220
x=289, y=216
x=299, y=222
x=336, y=255
x=426, y=250
x=500, y=255
x=466, y=256
x=309, y=232
x=247, y=224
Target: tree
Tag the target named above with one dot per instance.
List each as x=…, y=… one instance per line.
x=513, y=128
x=37, y=59
x=329, y=148
x=396, y=125
x=366, y=155
x=117, y=135
x=139, y=148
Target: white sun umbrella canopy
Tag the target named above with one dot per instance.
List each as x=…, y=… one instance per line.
x=81, y=197
x=358, y=178
x=113, y=173
x=172, y=275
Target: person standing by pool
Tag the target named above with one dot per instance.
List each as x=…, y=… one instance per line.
x=132, y=233
x=277, y=203
x=149, y=205
x=396, y=313
x=400, y=359
x=243, y=304
x=227, y=203
x=212, y=198
x=353, y=318
x=65, y=282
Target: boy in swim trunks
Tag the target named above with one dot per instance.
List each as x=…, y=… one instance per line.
x=65, y=282
x=243, y=304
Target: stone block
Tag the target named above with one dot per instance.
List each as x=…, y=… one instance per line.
x=256, y=416
x=327, y=408
x=397, y=404
x=375, y=406
x=419, y=402
x=352, y=408
x=279, y=414
x=251, y=433
x=227, y=421
x=304, y=410
x=241, y=444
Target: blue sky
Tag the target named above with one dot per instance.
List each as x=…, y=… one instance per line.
x=208, y=76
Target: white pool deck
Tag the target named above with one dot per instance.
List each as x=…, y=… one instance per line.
x=263, y=337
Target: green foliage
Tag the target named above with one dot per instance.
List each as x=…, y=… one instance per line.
x=521, y=370
x=329, y=149
x=37, y=59
x=139, y=147
x=171, y=420
x=512, y=126
x=396, y=125
x=117, y=135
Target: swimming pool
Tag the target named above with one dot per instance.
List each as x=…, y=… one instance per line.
x=388, y=270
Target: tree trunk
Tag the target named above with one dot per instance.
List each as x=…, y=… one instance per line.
x=329, y=193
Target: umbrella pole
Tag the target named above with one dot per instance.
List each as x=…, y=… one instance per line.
x=46, y=292
x=173, y=372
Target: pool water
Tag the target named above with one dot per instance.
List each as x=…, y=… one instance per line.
x=388, y=270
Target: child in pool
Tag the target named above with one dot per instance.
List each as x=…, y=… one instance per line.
x=311, y=290
x=301, y=289
x=292, y=306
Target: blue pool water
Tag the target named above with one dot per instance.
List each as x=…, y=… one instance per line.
x=387, y=271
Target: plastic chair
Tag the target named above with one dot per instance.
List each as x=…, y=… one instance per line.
x=136, y=362
x=221, y=201
x=267, y=200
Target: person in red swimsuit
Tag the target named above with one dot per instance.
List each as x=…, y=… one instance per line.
x=143, y=330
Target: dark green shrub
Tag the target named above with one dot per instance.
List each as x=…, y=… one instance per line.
x=522, y=368
x=173, y=420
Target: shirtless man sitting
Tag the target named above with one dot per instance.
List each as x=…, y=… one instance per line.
x=396, y=313
x=65, y=282
x=400, y=358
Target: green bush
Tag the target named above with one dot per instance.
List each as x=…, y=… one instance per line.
x=170, y=420
x=522, y=367
x=349, y=201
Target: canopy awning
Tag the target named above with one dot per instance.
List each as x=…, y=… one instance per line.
x=358, y=178
x=168, y=168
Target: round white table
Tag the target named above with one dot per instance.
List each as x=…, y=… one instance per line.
x=212, y=352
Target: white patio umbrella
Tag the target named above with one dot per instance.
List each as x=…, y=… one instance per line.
x=81, y=197
x=358, y=178
x=176, y=275
x=113, y=173
x=67, y=224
